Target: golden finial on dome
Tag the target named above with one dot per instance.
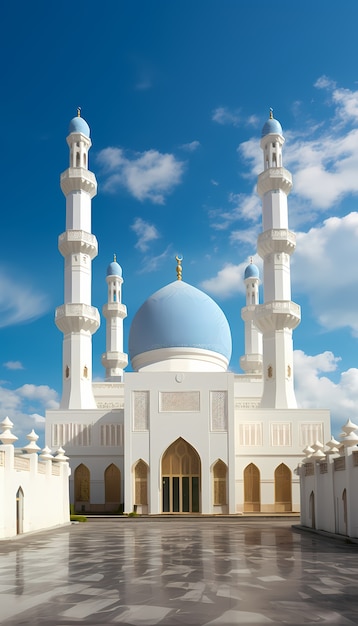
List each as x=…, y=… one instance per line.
x=78, y=111
x=271, y=113
x=114, y=258
x=179, y=267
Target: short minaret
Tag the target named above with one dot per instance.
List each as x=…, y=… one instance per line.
x=251, y=362
x=277, y=316
x=76, y=318
x=114, y=359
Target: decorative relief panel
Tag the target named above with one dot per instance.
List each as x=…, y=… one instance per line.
x=56, y=470
x=281, y=434
x=247, y=404
x=112, y=435
x=21, y=463
x=140, y=410
x=218, y=410
x=309, y=469
x=73, y=434
x=250, y=434
x=183, y=401
x=309, y=433
x=339, y=463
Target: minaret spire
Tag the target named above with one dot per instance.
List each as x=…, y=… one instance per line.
x=278, y=315
x=114, y=359
x=251, y=362
x=77, y=318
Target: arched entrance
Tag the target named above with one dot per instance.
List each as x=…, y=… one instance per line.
x=19, y=511
x=312, y=510
x=283, y=488
x=252, y=498
x=82, y=488
x=112, y=486
x=141, y=487
x=181, y=470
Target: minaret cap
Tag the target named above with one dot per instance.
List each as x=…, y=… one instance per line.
x=179, y=267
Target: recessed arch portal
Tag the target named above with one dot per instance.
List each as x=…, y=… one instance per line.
x=112, y=484
x=283, y=488
x=181, y=473
x=252, y=498
x=82, y=481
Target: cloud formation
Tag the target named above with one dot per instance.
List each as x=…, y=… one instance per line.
x=314, y=388
x=148, y=175
x=324, y=270
x=145, y=232
x=19, y=302
x=13, y=365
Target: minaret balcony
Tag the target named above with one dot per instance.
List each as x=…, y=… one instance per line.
x=248, y=312
x=274, y=178
x=114, y=360
x=251, y=363
x=276, y=240
x=77, y=317
x=79, y=241
x=277, y=315
x=114, y=309
x=78, y=179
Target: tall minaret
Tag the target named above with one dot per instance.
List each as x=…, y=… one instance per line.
x=114, y=359
x=277, y=316
x=251, y=362
x=76, y=318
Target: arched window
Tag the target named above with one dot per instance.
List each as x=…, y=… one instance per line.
x=220, y=489
x=252, y=488
x=283, y=488
x=112, y=484
x=82, y=483
x=141, y=483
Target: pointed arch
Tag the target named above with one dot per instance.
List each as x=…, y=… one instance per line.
x=141, y=485
x=181, y=476
x=312, y=510
x=252, y=495
x=112, y=484
x=19, y=511
x=220, y=483
x=82, y=482
x=283, y=488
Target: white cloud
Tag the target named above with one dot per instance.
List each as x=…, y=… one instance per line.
x=227, y=282
x=151, y=263
x=148, y=175
x=13, y=365
x=314, y=389
x=26, y=407
x=324, y=269
x=191, y=147
x=232, y=117
x=19, y=302
x=145, y=232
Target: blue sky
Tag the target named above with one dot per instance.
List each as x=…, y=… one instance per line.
x=176, y=94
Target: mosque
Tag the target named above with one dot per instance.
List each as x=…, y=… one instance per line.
x=181, y=433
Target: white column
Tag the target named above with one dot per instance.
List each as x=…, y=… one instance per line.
x=77, y=318
x=114, y=359
x=278, y=315
x=251, y=362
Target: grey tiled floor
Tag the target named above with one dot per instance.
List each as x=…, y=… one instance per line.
x=200, y=571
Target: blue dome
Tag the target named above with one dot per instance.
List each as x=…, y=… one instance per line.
x=114, y=269
x=79, y=125
x=271, y=127
x=177, y=316
x=252, y=271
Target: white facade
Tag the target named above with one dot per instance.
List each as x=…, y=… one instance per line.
x=328, y=479
x=181, y=433
x=34, y=488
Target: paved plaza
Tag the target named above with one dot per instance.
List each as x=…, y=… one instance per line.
x=193, y=571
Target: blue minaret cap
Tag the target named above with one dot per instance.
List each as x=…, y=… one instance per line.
x=272, y=126
x=114, y=269
x=79, y=125
x=252, y=271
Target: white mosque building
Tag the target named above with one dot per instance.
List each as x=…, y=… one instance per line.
x=181, y=433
